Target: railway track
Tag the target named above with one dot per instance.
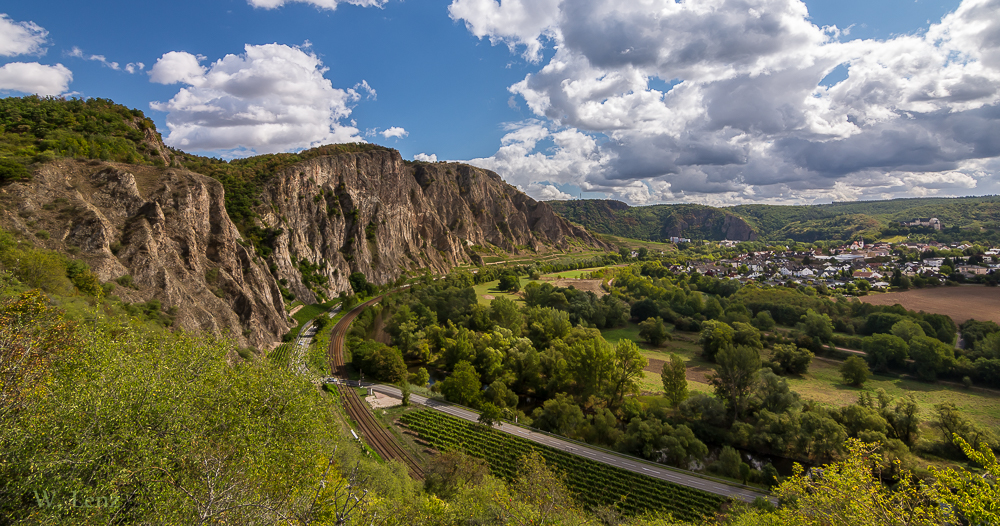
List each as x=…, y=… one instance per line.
x=371, y=430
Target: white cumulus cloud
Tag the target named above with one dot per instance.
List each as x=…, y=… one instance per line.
x=394, y=131
x=178, y=67
x=725, y=99
x=271, y=98
x=546, y=192
x=21, y=38
x=428, y=158
x=35, y=78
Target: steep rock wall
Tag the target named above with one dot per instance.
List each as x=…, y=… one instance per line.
x=165, y=227
x=373, y=213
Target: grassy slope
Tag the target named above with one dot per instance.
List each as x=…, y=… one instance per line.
x=822, y=383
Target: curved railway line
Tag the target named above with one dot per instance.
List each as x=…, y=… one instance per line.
x=371, y=430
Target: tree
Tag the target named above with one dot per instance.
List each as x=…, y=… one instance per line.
x=404, y=389
x=463, y=386
x=644, y=309
x=421, y=377
x=792, y=359
x=490, y=415
x=654, y=331
x=763, y=321
x=951, y=422
x=559, y=415
x=847, y=494
x=729, y=462
x=499, y=395
x=907, y=330
x=359, y=284
x=714, y=336
x=747, y=335
x=538, y=495
x=973, y=498
x=930, y=357
x=817, y=326
x=735, y=376
x=504, y=312
x=674, y=377
x=885, y=350
x=855, y=371
x=772, y=393
x=453, y=470
x=657, y=440
x=625, y=373
x=509, y=283
x=379, y=361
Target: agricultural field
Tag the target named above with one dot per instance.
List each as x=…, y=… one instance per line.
x=961, y=303
x=593, y=483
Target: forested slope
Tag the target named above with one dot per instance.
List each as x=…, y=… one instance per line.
x=966, y=218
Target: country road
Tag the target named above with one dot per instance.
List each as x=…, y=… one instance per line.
x=637, y=466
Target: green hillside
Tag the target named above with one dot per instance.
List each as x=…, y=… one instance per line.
x=965, y=219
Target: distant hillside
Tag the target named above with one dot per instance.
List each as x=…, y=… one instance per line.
x=966, y=218
x=656, y=223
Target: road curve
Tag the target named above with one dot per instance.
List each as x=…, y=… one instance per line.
x=605, y=457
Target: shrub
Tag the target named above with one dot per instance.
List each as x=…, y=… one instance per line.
x=126, y=281
x=855, y=371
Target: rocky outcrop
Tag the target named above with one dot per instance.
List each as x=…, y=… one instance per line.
x=319, y=221
x=167, y=228
x=373, y=213
x=706, y=223
x=657, y=222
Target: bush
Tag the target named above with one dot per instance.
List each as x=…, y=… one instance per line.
x=855, y=371
x=126, y=281
x=11, y=171
x=791, y=359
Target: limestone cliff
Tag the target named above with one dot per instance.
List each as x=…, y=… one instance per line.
x=167, y=228
x=373, y=213
x=656, y=222
x=165, y=234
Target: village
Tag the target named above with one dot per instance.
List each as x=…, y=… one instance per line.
x=858, y=267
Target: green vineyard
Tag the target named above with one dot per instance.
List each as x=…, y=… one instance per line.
x=593, y=483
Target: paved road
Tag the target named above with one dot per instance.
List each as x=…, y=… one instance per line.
x=604, y=457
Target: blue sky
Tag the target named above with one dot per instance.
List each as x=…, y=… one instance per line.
x=749, y=101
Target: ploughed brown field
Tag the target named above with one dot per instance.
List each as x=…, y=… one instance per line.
x=960, y=303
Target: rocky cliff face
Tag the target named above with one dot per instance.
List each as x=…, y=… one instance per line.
x=707, y=223
x=657, y=222
x=322, y=219
x=373, y=213
x=167, y=228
